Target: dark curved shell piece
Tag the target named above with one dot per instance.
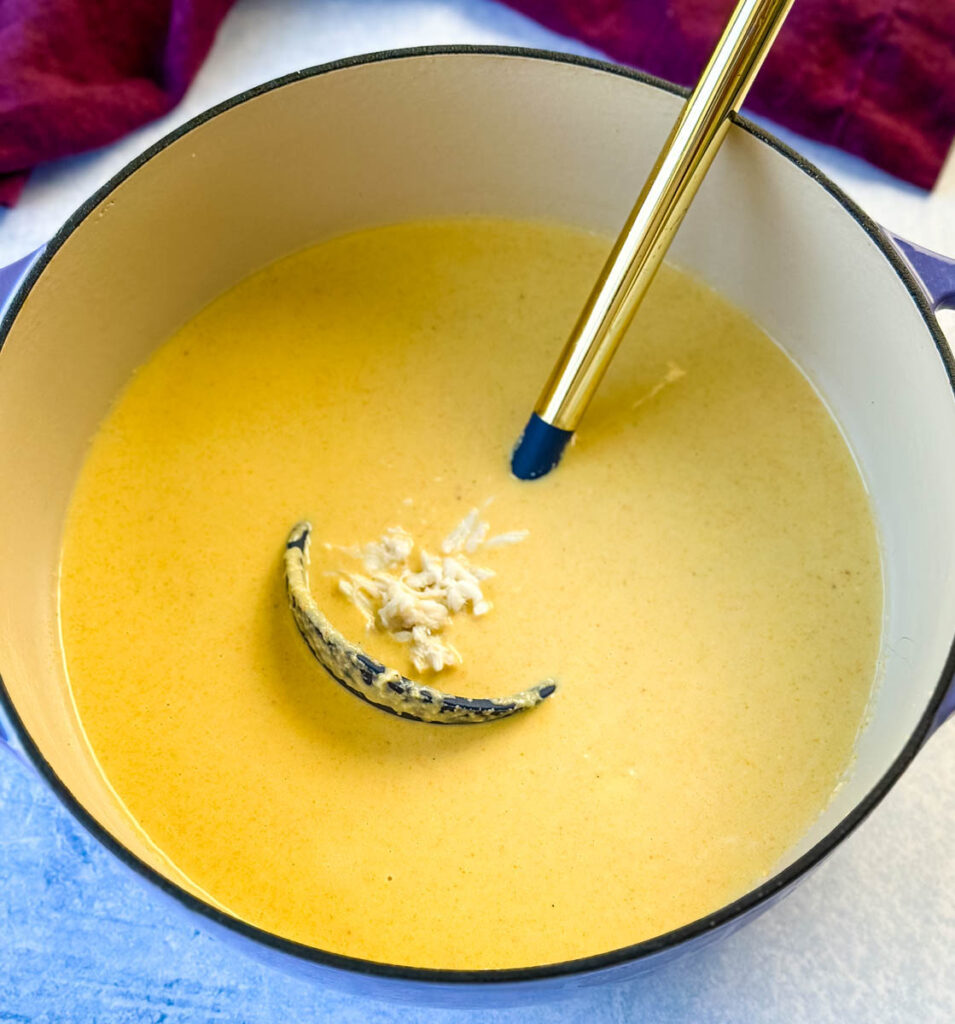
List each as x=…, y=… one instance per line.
x=374, y=682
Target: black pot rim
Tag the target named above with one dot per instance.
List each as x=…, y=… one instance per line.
x=638, y=951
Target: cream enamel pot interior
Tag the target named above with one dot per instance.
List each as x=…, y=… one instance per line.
x=432, y=133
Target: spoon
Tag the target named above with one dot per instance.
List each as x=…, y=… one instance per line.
x=647, y=234
x=375, y=683
x=624, y=280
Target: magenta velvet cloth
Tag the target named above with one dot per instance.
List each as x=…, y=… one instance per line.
x=75, y=74
x=874, y=77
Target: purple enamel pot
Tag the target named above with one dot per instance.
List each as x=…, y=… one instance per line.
x=433, y=133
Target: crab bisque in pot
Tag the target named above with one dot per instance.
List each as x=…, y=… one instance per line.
x=701, y=577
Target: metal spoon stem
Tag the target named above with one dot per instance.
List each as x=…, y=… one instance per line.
x=648, y=232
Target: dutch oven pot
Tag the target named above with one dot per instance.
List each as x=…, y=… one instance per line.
x=449, y=132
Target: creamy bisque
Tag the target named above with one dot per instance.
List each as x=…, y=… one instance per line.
x=701, y=575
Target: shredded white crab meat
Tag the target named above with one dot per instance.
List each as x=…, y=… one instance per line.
x=414, y=599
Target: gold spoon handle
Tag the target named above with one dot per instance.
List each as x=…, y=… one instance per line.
x=649, y=230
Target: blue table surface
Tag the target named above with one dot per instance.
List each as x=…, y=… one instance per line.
x=869, y=937
x=81, y=939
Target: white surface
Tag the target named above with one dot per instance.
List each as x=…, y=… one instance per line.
x=871, y=935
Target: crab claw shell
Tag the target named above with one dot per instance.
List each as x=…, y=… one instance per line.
x=376, y=683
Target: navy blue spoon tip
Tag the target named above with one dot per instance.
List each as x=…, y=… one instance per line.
x=539, y=449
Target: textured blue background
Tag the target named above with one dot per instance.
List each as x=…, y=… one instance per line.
x=83, y=940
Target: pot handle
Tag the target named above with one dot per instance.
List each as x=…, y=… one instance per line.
x=946, y=708
x=935, y=271
x=12, y=274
